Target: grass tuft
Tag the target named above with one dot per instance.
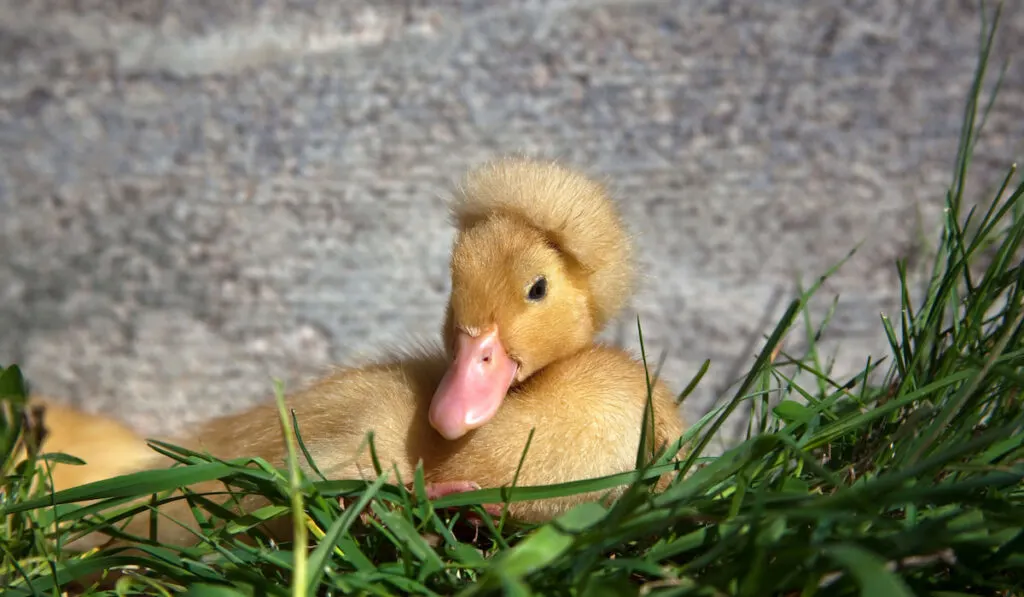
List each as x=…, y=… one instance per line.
x=907, y=486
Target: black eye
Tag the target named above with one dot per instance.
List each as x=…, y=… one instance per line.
x=539, y=289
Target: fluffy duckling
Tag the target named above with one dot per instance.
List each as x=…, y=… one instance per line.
x=540, y=263
x=111, y=446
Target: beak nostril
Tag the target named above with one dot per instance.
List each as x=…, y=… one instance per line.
x=487, y=359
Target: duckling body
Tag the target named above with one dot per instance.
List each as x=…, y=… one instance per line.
x=110, y=445
x=392, y=399
x=586, y=413
x=540, y=264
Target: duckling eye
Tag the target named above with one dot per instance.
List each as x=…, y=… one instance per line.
x=539, y=289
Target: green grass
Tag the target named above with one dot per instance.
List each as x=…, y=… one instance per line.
x=911, y=485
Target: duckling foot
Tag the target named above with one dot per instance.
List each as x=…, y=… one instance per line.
x=441, y=489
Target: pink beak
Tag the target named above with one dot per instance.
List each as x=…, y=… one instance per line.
x=473, y=388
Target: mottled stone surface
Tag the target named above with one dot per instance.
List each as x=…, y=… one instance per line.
x=200, y=196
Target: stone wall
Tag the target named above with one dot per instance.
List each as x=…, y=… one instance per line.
x=198, y=199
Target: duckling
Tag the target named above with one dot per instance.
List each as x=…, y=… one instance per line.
x=111, y=445
x=540, y=263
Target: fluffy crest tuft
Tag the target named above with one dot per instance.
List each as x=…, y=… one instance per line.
x=575, y=212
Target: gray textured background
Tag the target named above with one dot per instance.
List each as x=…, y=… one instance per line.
x=198, y=196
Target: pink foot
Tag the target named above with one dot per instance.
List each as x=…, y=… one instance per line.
x=439, y=490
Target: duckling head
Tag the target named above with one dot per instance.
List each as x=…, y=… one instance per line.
x=541, y=262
